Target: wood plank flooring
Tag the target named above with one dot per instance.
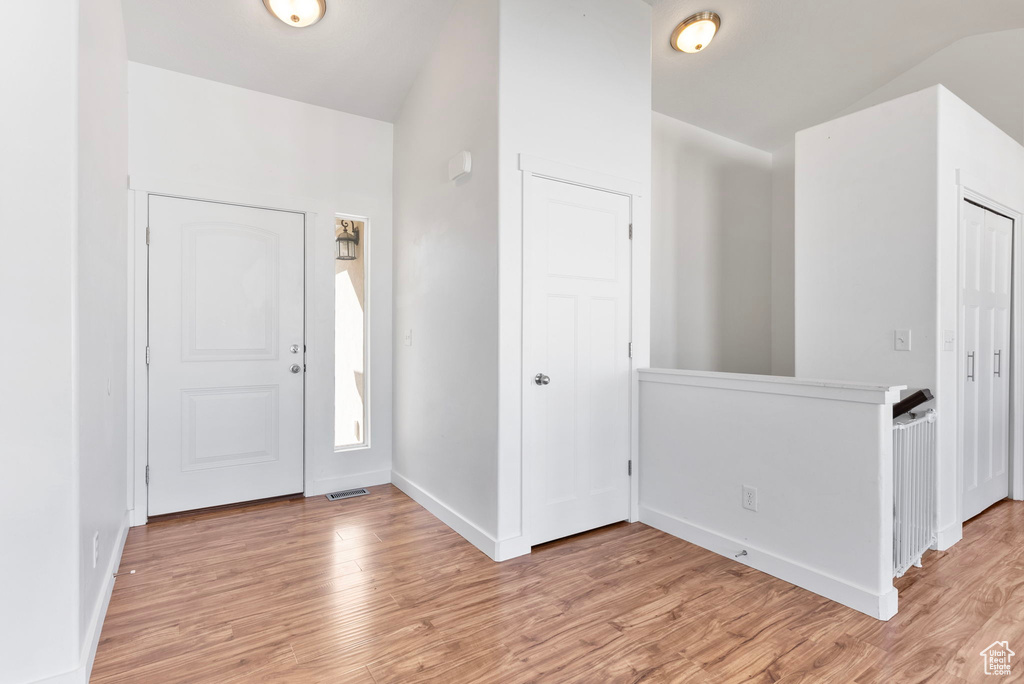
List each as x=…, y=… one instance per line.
x=375, y=589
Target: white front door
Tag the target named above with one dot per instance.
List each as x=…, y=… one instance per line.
x=226, y=354
x=987, y=281
x=576, y=269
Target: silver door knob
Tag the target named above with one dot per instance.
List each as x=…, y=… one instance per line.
x=294, y=349
x=541, y=379
x=296, y=368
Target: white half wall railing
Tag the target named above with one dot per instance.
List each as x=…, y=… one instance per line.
x=818, y=454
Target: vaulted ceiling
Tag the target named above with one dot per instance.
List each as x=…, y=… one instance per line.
x=361, y=58
x=777, y=66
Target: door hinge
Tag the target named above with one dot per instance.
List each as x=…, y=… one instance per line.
x=630, y=350
x=147, y=354
x=147, y=475
x=630, y=231
x=147, y=235
x=629, y=467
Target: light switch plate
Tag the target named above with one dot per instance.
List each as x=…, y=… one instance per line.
x=901, y=340
x=949, y=340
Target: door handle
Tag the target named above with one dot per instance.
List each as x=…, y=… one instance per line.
x=970, y=361
x=541, y=379
x=294, y=349
x=296, y=368
x=999, y=363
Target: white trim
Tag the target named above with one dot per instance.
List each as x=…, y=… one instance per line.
x=775, y=384
x=99, y=613
x=138, y=335
x=976, y=189
x=496, y=549
x=545, y=168
x=91, y=640
x=366, y=237
x=336, y=484
x=226, y=194
x=949, y=535
x=877, y=606
x=532, y=167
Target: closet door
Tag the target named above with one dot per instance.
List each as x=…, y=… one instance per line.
x=987, y=280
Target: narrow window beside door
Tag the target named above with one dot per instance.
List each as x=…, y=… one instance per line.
x=349, y=332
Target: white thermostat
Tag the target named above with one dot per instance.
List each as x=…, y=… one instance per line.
x=460, y=165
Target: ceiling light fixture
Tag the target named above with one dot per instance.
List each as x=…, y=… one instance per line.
x=695, y=32
x=297, y=13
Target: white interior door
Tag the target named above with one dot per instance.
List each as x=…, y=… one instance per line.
x=576, y=263
x=987, y=282
x=226, y=354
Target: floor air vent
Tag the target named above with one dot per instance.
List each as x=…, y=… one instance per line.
x=347, y=494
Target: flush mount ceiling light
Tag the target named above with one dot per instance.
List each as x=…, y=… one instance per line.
x=297, y=13
x=695, y=32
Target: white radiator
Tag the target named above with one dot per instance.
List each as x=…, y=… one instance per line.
x=913, y=450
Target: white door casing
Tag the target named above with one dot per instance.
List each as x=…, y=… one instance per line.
x=225, y=334
x=986, y=286
x=576, y=336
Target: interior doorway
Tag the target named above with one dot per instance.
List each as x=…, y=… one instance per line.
x=987, y=321
x=225, y=353
x=576, y=353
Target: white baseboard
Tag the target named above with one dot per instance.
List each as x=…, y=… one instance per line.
x=881, y=606
x=336, y=484
x=137, y=517
x=91, y=640
x=495, y=549
x=948, y=536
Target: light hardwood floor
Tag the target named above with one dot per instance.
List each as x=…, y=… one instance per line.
x=375, y=589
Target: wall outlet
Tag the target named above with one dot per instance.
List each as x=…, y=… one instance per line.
x=95, y=549
x=750, y=498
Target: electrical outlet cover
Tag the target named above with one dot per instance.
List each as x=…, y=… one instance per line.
x=749, y=500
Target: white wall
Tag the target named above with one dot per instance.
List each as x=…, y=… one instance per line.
x=819, y=455
x=983, y=70
x=877, y=228
x=711, y=257
x=567, y=81
x=206, y=139
x=575, y=88
x=102, y=305
x=38, y=216
x=446, y=280
x=986, y=160
x=866, y=244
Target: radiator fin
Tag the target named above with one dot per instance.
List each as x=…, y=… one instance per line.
x=914, y=485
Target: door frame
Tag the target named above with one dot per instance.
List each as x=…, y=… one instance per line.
x=138, y=317
x=537, y=167
x=968, y=190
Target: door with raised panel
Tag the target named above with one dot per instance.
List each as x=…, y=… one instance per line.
x=226, y=354
x=576, y=399
x=986, y=287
